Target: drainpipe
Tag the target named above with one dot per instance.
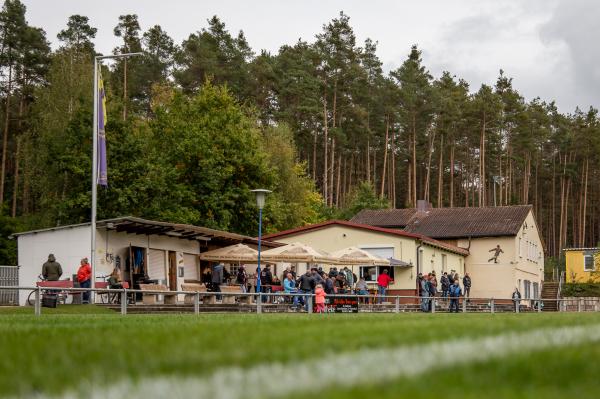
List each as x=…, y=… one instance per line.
x=418, y=265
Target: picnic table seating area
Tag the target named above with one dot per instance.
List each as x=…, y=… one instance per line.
x=151, y=298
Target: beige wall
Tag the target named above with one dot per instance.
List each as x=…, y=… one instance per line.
x=335, y=237
x=117, y=243
x=514, y=266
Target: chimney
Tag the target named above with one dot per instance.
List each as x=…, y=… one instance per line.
x=423, y=206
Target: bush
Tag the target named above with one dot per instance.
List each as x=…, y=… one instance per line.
x=581, y=290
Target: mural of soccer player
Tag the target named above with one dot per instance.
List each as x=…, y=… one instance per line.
x=497, y=251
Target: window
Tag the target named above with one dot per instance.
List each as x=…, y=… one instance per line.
x=588, y=262
x=370, y=273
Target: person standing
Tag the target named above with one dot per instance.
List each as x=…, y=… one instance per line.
x=217, y=278
x=51, y=270
x=445, y=285
x=424, y=294
x=242, y=278
x=84, y=277
x=383, y=282
x=306, y=285
x=266, y=280
x=320, y=298
x=289, y=287
x=454, y=295
x=467, y=285
x=516, y=297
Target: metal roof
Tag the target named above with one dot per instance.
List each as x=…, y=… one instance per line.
x=134, y=225
x=447, y=223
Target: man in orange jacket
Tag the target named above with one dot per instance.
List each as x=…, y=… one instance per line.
x=84, y=276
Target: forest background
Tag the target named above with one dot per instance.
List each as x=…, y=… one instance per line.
x=194, y=126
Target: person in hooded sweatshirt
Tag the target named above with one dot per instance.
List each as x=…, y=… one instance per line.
x=51, y=270
x=320, y=298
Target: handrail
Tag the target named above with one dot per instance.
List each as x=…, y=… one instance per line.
x=274, y=294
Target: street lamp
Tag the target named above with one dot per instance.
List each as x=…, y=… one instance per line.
x=95, y=161
x=261, y=194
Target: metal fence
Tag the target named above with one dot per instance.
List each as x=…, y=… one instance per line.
x=196, y=302
x=9, y=277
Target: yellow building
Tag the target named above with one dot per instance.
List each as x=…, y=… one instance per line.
x=504, y=242
x=582, y=265
x=412, y=253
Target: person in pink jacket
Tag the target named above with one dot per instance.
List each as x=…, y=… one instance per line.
x=320, y=298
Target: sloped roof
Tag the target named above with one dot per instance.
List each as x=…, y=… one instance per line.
x=446, y=223
x=426, y=240
x=135, y=225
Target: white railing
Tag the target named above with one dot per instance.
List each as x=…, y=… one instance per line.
x=273, y=302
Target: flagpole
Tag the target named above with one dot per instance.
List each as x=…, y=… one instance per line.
x=95, y=166
x=94, y=181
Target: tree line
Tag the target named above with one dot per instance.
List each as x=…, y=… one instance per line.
x=194, y=125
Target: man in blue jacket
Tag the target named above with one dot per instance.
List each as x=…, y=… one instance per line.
x=455, y=293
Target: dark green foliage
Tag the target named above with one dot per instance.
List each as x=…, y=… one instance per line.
x=581, y=290
x=363, y=197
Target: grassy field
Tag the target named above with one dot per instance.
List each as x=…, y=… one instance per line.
x=58, y=353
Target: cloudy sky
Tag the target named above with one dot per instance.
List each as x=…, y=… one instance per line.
x=549, y=47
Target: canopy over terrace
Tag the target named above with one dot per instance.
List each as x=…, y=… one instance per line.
x=357, y=256
x=232, y=253
x=297, y=252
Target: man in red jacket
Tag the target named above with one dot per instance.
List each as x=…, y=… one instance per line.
x=383, y=281
x=84, y=276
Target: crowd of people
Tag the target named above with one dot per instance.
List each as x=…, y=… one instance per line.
x=451, y=290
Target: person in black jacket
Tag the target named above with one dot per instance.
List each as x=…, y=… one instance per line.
x=306, y=285
x=266, y=280
x=467, y=285
x=445, y=285
x=217, y=278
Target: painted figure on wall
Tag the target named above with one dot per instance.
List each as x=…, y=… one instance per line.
x=497, y=251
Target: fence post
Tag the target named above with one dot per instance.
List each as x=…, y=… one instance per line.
x=397, y=307
x=579, y=305
x=433, y=305
x=196, y=303
x=518, y=306
x=124, y=302
x=310, y=304
x=492, y=306
x=38, y=305
x=539, y=304
x=259, y=304
x=464, y=305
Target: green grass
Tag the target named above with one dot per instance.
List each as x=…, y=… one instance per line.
x=60, y=309
x=55, y=352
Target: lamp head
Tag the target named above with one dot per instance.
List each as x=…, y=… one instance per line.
x=261, y=194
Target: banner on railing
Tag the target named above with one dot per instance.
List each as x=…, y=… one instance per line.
x=342, y=304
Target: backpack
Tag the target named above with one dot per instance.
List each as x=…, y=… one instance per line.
x=454, y=290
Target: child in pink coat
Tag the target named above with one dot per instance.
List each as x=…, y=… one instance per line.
x=320, y=298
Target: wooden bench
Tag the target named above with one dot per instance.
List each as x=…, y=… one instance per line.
x=150, y=298
x=232, y=289
x=195, y=287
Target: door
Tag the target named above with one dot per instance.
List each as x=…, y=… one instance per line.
x=173, y=271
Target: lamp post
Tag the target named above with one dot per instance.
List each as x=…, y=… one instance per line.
x=95, y=162
x=261, y=194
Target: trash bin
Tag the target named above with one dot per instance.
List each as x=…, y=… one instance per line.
x=49, y=300
x=76, y=296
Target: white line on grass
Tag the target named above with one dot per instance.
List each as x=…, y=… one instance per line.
x=367, y=366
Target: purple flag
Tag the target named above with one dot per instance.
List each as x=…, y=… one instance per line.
x=102, y=169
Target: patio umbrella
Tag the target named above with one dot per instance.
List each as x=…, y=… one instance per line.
x=232, y=253
x=298, y=252
x=357, y=256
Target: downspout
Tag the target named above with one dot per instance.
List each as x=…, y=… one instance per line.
x=418, y=266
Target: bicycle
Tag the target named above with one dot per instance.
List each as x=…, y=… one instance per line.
x=62, y=296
